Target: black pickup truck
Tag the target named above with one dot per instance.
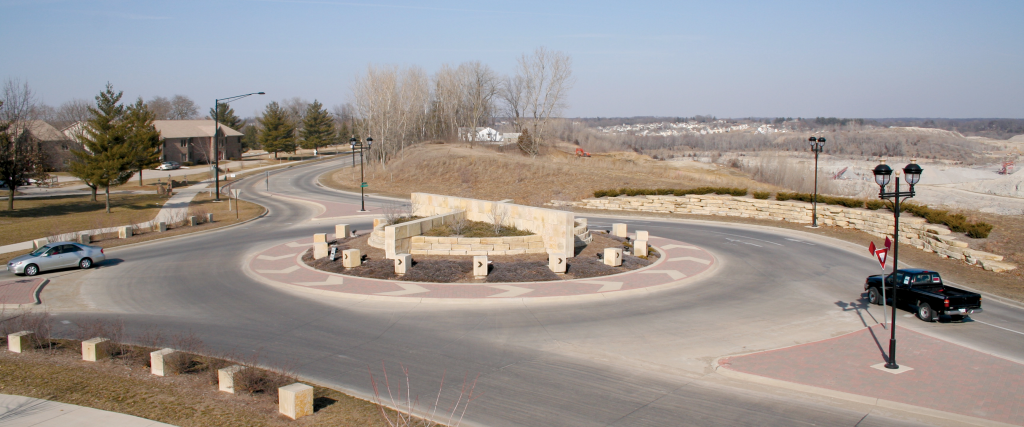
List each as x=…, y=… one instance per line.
x=923, y=290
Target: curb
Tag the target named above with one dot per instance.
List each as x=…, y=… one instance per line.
x=35, y=297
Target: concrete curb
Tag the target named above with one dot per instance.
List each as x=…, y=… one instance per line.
x=35, y=297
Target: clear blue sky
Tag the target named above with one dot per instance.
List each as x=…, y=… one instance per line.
x=672, y=58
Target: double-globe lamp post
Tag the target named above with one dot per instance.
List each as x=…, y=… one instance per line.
x=216, y=137
x=362, y=181
x=817, y=144
x=883, y=173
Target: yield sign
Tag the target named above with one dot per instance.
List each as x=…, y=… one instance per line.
x=882, y=254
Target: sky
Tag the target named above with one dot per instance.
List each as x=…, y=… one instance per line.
x=866, y=59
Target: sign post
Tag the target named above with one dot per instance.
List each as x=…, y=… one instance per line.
x=881, y=254
x=235, y=192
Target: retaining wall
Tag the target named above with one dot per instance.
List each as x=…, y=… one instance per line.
x=511, y=245
x=398, y=237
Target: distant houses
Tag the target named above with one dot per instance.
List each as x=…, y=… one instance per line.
x=487, y=135
x=189, y=141
x=56, y=145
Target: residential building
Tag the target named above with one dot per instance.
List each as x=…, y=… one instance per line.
x=189, y=141
x=55, y=144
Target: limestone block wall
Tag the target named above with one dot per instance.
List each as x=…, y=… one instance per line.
x=512, y=245
x=398, y=237
x=914, y=231
x=555, y=227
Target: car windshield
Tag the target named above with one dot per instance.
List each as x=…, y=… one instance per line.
x=40, y=251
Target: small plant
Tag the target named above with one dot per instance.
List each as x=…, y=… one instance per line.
x=498, y=216
x=762, y=195
x=458, y=223
x=875, y=204
x=397, y=213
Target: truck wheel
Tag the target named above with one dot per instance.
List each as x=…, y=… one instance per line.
x=874, y=297
x=924, y=312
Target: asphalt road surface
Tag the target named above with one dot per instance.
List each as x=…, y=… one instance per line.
x=637, y=361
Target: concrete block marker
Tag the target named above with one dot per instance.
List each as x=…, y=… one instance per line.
x=295, y=400
x=38, y=243
x=320, y=250
x=402, y=263
x=640, y=247
x=124, y=231
x=159, y=362
x=193, y=221
x=226, y=378
x=556, y=262
x=209, y=217
x=320, y=238
x=480, y=266
x=161, y=227
x=642, y=235
x=613, y=256
x=619, y=230
x=20, y=341
x=342, y=231
x=85, y=238
x=351, y=258
x=95, y=349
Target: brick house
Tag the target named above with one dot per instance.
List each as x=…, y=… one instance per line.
x=189, y=141
x=54, y=143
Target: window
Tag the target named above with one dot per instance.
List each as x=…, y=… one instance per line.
x=184, y=143
x=64, y=147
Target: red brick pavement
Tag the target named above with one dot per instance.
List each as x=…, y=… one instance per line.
x=19, y=291
x=945, y=376
x=679, y=261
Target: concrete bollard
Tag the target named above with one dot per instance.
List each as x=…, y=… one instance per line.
x=402, y=263
x=95, y=349
x=209, y=217
x=38, y=243
x=226, y=377
x=193, y=221
x=295, y=400
x=320, y=238
x=320, y=250
x=640, y=248
x=480, y=266
x=20, y=341
x=342, y=231
x=159, y=362
x=124, y=231
x=351, y=258
x=619, y=230
x=161, y=226
x=85, y=238
x=556, y=262
x=642, y=235
x=613, y=256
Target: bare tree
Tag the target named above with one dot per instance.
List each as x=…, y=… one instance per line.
x=161, y=107
x=21, y=158
x=481, y=86
x=71, y=112
x=183, y=108
x=391, y=104
x=448, y=96
x=295, y=108
x=538, y=92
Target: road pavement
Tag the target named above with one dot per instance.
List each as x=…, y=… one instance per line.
x=631, y=361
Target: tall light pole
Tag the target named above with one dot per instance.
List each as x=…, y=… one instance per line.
x=817, y=144
x=216, y=137
x=362, y=181
x=883, y=174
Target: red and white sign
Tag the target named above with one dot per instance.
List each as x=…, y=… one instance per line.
x=880, y=253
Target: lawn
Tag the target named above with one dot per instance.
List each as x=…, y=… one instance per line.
x=37, y=218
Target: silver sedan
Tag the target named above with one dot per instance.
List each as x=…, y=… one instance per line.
x=56, y=255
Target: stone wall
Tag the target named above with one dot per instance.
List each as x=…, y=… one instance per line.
x=556, y=228
x=512, y=245
x=914, y=231
x=398, y=237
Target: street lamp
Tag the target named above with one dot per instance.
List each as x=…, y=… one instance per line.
x=817, y=144
x=216, y=137
x=362, y=184
x=883, y=173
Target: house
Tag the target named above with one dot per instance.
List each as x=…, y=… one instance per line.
x=189, y=141
x=479, y=134
x=510, y=137
x=55, y=144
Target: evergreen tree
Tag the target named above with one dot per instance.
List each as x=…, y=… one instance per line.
x=110, y=156
x=20, y=158
x=278, y=133
x=317, y=127
x=226, y=116
x=143, y=138
x=250, y=137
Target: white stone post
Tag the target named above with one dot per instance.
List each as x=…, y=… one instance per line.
x=95, y=349
x=640, y=248
x=193, y=221
x=124, y=231
x=351, y=258
x=320, y=250
x=342, y=231
x=226, y=378
x=402, y=263
x=556, y=262
x=38, y=243
x=642, y=235
x=619, y=230
x=295, y=400
x=20, y=341
x=159, y=363
x=320, y=238
x=480, y=266
x=161, y=226
x=85, y=238
x=613, y=256
x=209, y=217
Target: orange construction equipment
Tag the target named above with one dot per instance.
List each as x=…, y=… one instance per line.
x=581, y=153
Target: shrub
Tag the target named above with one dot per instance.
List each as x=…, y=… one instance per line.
x=875, y=204
x=956, y=222
x=762, y=195
x=187, y=164
x=670, y=191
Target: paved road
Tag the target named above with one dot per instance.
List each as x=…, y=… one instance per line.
x=630, y=361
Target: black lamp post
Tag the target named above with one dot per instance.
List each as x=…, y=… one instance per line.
x=883, y=173
x=362, y=184
x=817, y=144
x=216, y=137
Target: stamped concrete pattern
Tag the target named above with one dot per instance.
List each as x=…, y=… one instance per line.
x=20, y=291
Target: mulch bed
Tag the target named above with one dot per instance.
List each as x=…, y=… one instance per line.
x=459, y=269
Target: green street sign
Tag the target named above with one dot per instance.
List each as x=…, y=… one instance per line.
x=364, y=185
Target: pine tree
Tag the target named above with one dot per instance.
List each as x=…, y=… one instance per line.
x=250, y=138
x=143, y=138
x=109, y=158
x=317, y=127
x=20, y=158
x=226, y=117
x=278, y=134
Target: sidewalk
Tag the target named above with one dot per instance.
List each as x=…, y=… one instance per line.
x=17, y=411
x=948, y=380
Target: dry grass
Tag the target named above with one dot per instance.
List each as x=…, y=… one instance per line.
x=51, y=216
x=455, y=169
